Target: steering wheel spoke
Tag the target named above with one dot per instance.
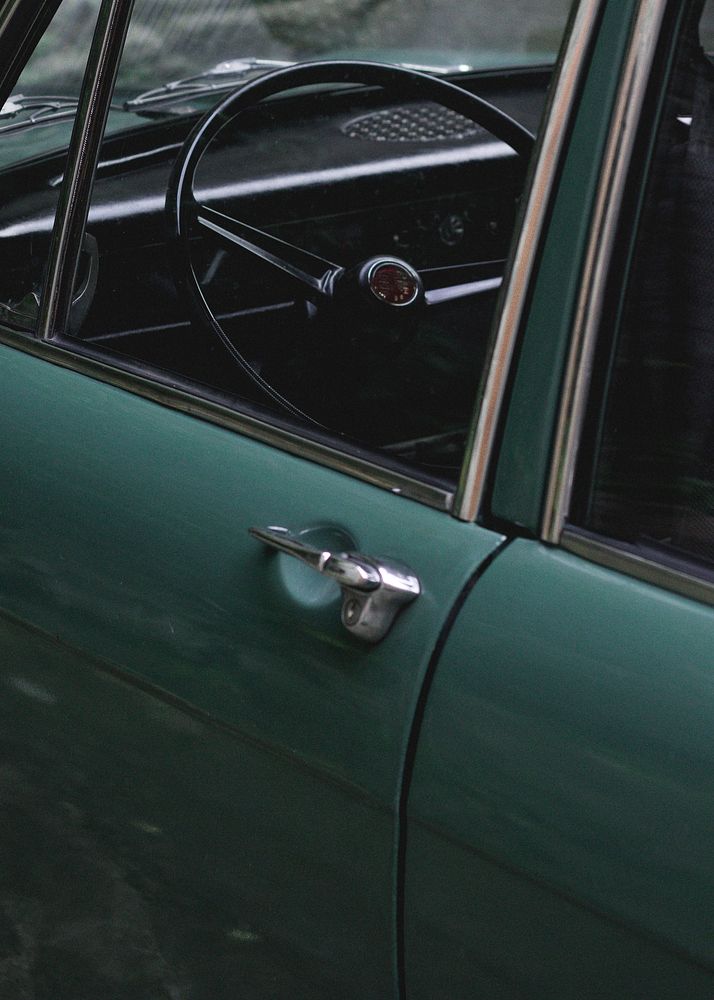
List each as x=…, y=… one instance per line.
x=315, y=272
x=371, y=294
x=459, y=281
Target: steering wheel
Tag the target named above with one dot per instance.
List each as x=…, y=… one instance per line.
x=382, y=282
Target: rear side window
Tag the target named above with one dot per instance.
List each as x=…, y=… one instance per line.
x=652, y=464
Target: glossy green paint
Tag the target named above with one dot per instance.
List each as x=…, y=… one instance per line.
x=561, y=819
x=124, y=533
x=134, y=847
x=525, y=453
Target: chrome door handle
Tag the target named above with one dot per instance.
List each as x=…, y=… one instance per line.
x=373, y=590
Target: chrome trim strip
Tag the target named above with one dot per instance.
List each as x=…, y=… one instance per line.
x=439, y=295
x=659, y=575
x=618, y=154
x=71, y=216
x=549, y=150
x=242, y=423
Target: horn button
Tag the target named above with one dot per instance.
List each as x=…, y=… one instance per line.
x=391, y=281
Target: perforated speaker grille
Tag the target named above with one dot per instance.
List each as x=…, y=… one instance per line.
x=416, y=123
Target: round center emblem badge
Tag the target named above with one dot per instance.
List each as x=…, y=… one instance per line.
x=393, y=282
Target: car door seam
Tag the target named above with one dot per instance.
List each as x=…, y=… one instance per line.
x=409, y=758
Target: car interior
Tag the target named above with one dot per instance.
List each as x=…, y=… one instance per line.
x=346, y=171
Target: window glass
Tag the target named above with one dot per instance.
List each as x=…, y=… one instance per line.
x=654, y=465
x=172, y=38
x=334, y=177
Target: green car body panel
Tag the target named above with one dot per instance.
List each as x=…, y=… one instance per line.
x=207, y=772
x=125, y=537
x=561, y=821
x=560, y=831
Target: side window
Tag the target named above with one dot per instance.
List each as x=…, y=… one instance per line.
x=35, y=126
x=258, y=284
x=324, y=257
x=651, y=465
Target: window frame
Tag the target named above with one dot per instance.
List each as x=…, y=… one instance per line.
x=50, y=343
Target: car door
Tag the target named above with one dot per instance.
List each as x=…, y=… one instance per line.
x=560, y=813
x=202, y=765
x=128, y=553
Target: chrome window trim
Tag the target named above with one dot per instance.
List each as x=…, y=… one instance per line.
x=606, y=553
x=548, y=155
x=613, y=177
x=215, y=413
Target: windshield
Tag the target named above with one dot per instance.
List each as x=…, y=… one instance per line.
x=173, y=39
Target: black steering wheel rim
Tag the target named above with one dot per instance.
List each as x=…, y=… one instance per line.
x=181, y=205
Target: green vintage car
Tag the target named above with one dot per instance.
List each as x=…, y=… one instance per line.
x=356, y=500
